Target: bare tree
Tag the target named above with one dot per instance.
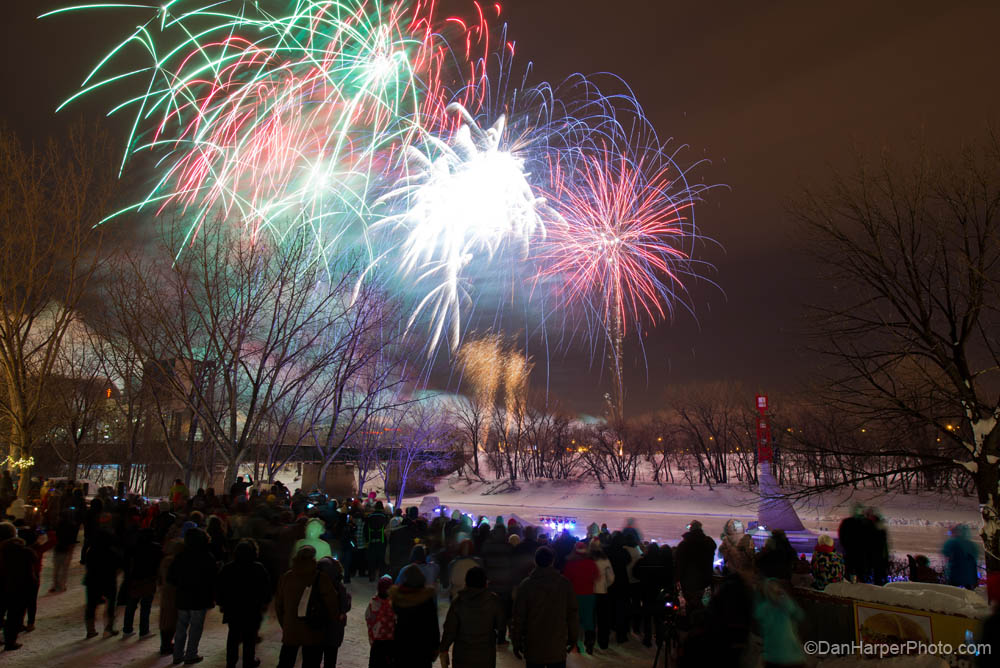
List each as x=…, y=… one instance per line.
x=81, y=399
x=423, y=438
x=249, y=324
x=913, y=251
x=51, y=201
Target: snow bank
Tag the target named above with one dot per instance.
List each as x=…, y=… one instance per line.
x=917, y=596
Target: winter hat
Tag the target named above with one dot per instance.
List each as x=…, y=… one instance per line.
x=581, y=548
x=475, y=577
x=413, y=578
x=456, y=515
x=384, y=583
x=512, y=522
x=695, y=525
x=544, y=557
x=825, y=540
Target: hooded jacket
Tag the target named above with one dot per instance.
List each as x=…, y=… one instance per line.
x=693, y=560
x=655, y=570
x=417, y=635
x=194, y=572
x=497, y=556
x=736, y=548
x=244, y=588
x=16, y=576
x=545, y=616
x=962, y=555
x=473, y=620
x=314, y=529
x=291, y=587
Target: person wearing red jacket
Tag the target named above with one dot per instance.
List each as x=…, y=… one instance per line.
x=582, y=572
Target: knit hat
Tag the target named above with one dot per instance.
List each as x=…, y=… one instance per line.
x=581, y=548
x=413, y=578
x=384, y=583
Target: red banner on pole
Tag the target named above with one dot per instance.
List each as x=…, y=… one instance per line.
x=764, y=451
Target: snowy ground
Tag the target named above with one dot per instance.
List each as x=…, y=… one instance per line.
x=917, y=523
x=58, y=639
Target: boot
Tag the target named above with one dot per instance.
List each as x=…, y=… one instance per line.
x=588, y=640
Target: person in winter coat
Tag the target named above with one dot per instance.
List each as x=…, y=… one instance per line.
x=618, y=591
x=777, y=558
x=381, y=621
x=400, y=544
x=314, y=529
x=656, y=574
x=142, y=564
x=602, y=603
x=38, y=550
x=194, y=573
x=335, y=629
x=67, y=531
x=376, y=526
x=459, y=567
x=418, y=560
x=693, y=565
x=522, y=558
x=736, y=548
x=963, y=558
x=15, y=583
x=243, y=592
x=878, y=547
x=582, y=572
x=827, y=564
x=104, y=561
x=922, y=571
x=777, y=618
x=546, y=622
x=417, y=636
x=472, y=625
x=497, y=556
x=634, y=589
x=855, y=534
x=304, y=604
x=168, y=598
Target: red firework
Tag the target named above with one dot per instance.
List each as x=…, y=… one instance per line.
x=617, y=244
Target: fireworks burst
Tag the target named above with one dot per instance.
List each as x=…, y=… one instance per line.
x=461, y=202
x=383, y=129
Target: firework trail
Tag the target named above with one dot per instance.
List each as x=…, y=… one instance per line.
x=461, y=201
x=384, y=128
x=281, y=122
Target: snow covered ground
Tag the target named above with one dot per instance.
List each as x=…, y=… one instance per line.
x=58, y=639
x=918, y=523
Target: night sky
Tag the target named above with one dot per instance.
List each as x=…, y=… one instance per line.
x=774, y=94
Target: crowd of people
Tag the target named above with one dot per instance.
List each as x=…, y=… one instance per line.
x=544, y=595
